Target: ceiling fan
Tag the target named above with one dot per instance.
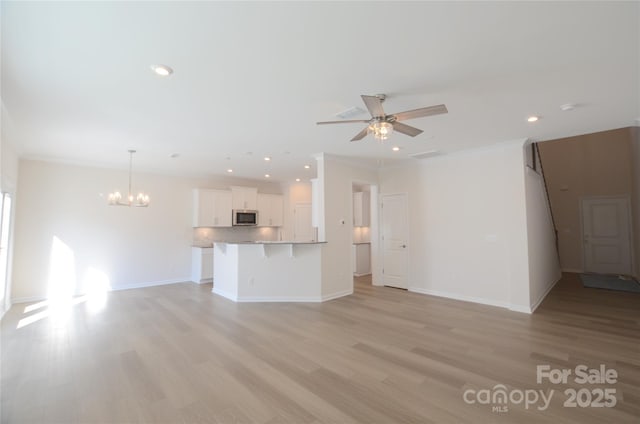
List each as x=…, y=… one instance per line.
x=382, y=125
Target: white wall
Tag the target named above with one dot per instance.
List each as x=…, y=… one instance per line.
x=515, y=219
x=9, y=166
x=635, y=196
x=467, y=215
x=544, y=265
x=65, y=206
x=337, y=177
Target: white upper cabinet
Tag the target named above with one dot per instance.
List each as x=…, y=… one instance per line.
x=361, y=209
x=270, y=210
x=211, y=208
x=244, y=197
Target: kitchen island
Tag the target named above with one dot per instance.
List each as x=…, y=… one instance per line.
x=268, y=271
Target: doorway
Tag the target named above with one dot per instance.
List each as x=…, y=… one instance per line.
x=362, y=224
x=5, y=228
x=606, y=230
x=394, y=233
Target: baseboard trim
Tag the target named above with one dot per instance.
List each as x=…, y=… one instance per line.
x=280, y=299
x=521, y=308
x=203, y=281
x=5, y=310
x=535, y=305
x=336, y=295
x=149, y=284
x=575, y=271
x=30, y=299
x=225, y=294
x=312, y=299
x=455, y=296
x=361, y=275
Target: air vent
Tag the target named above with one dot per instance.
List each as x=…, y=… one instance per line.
x=350, y=113
x=426, y=154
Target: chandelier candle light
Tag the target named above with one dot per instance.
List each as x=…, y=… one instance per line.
x=141, y=201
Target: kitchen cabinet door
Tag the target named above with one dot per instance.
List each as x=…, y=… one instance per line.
x=222, y=209
x=270, y=210
x=201, y=264
x=211, y=208
x=203, y=208
x=277, y=210
x=244, y=198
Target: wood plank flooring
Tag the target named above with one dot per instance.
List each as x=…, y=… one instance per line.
x=179, y=354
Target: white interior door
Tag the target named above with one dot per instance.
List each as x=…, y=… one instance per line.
x=606, y=234
x=303, y=230
x=394, y=240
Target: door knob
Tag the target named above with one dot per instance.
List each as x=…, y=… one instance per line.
x=404, y=246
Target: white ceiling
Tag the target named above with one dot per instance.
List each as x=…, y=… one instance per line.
x=255, y=77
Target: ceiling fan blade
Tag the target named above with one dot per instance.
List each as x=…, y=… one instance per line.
x=374, y=104
x=406, y=129
x=362, y=134
x=347, y=121
x=423, y=111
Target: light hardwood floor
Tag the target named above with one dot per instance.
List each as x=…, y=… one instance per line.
x=178, y=353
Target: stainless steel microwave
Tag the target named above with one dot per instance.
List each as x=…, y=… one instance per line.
x=245, y=217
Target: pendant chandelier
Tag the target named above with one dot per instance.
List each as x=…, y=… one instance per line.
x=140, y=201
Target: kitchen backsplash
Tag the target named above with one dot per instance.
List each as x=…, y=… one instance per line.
x=205, y=236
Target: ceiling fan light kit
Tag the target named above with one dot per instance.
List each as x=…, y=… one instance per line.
x=380, y=130
x=382, y=125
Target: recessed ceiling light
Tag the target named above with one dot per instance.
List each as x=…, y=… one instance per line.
x=267, y=158
x=568, y=106
x=297, y=180
x=532, y=119
x=395, y=148
x=229, y=170
x=162, y=70
x=267, y=175
x=307, y=166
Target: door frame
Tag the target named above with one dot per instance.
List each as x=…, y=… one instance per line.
x=627, y=198
x=379, y=238
x=374, y=229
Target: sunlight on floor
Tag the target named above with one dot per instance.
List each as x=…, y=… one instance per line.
x=62, y=286
x=96, y=284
